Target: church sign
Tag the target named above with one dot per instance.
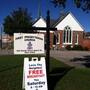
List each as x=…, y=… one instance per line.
x=34, y=74
x=28, y=43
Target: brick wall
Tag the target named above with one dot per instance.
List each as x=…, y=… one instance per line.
x=81, y=40
x=86, y=43
x=61, y=38
x=80, y=37
x=51, y=40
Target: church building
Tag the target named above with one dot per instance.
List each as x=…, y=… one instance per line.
x=69, y=31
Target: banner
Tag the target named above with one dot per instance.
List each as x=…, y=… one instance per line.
x=28, y=43
x=34, y=74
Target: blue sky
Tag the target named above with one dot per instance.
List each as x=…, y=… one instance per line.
x=7, y=6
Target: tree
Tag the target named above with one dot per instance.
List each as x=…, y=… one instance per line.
x=83, y=4
x=18, y=21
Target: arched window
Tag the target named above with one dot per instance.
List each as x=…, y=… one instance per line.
x=67, y=35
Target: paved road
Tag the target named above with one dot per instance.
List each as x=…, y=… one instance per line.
x=73, y=58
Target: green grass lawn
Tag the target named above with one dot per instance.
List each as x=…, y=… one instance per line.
x=11, y=74
x=75, y=79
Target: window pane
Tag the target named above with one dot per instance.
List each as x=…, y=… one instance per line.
x=67, y=35
x=64, y=37
x=70, y=36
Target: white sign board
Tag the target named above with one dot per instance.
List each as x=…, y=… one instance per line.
x=28, y=43
x=34, y=76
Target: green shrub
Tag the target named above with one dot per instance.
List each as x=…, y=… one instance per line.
x=78, y=47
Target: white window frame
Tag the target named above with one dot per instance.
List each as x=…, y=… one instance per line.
x=76, y=40
x=69, y=30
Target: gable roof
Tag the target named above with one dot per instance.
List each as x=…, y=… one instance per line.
x=54, y=23
x=60, y=19
x=68, y=19
x=38, y=20
x=77, y=21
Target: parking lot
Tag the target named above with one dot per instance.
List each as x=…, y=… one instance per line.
x=73, y=58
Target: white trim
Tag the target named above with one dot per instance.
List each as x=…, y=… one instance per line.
x=65, y=35
x=76, y=40
x=68, y=42
x=44, y=31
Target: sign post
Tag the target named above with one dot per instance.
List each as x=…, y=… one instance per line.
x=48, y=46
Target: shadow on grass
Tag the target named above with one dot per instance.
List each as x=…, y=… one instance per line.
x=55, y=76
x=83, y=61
